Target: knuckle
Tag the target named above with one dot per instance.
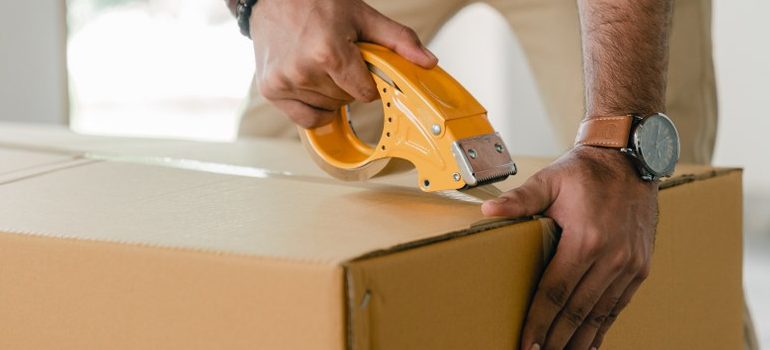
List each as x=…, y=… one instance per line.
x=636, y=264
x=620, y=261
x=409, y=34
x=298, y=77
x=596, y=319
x=575, y=315
x=612, y=301
x=326, y=57
x=366, y=89
x=368, y=94
x=593, y=245
x=645, y=271
x=270, y=86
x=267, y=93
x=557, y=294
x=518, y=194
x=539, y=179
x=370, y=91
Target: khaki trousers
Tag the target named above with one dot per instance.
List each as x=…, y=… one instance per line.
x=549, y=33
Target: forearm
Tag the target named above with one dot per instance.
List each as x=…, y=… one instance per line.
x=625, y=55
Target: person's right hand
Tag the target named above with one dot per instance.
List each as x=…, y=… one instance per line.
x=307, y=60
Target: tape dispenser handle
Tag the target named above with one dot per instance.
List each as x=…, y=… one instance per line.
x=418, y=105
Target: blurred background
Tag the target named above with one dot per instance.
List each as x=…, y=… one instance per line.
x=180, y=69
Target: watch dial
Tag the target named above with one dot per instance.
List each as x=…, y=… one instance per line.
x=658, y=144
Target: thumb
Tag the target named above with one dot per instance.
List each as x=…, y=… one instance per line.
x=378, y=29
x=531, y=198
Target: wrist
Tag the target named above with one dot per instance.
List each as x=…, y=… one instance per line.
x=640, y=110
x=608, y=161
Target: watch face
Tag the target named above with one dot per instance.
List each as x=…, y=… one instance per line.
x=657, y=143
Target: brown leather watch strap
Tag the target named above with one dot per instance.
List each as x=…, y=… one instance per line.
x=611, y=132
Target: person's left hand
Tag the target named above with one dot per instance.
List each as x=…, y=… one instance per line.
x=608, y=217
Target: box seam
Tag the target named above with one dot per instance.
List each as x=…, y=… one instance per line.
x=43, y=170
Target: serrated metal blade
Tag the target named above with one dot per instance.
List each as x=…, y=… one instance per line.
x=483, y=159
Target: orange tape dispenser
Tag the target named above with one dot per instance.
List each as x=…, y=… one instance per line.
x=430, y=120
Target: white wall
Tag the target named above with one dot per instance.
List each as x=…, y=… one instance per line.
x=742, y=58
x=479, y=49
x=33, y=85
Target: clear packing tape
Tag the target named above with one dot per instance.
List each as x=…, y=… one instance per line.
x=248, y=171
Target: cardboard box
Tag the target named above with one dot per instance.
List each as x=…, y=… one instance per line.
x=134, y=244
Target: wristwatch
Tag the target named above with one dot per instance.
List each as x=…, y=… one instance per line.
x=652, y=142
x=243, y=14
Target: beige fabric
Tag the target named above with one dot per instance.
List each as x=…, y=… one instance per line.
x=549, y=33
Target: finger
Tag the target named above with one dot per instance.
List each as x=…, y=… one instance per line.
x=315, y=99
x=301, y=79
x=311, y=96
x=613, y=315
x=305, y=115
x=531, y=198
x=583, y=300
x=559, y=280
x=353, y=76
x=585, y=335
x=382, y=30
x=293, y=85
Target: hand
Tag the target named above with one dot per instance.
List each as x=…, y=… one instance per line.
x=608, y=217
x=307, y=62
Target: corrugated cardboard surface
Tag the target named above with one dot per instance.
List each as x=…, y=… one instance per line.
x=476, y=298
x=158, y=206
x=693, y=297
x=79, y=294
x=121, y=254
x=18, y=160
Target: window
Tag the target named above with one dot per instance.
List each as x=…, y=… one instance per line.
x=159, y=68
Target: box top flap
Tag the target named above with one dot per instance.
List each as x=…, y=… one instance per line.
x=281, y=207
x=271, y=217
x=17, y=163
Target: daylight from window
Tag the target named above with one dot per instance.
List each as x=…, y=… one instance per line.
x=158, y=68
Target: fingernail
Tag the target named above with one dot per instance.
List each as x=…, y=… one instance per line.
x=535, y=346
x=430, y=54
x=594, y=348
